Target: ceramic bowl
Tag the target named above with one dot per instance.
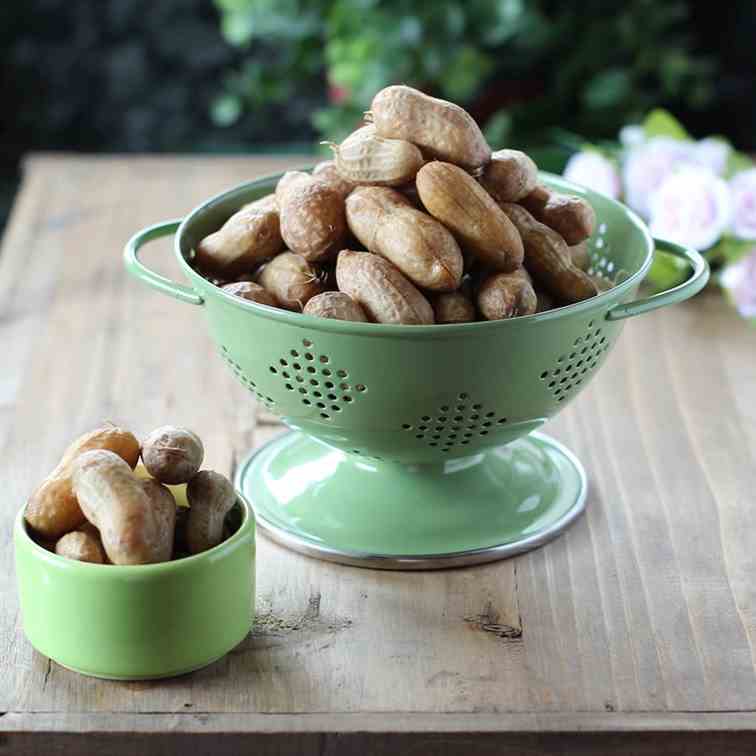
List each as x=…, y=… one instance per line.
x=138, y=622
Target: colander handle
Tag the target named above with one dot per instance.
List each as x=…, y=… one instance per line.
x=143, y=273
x=682, y=291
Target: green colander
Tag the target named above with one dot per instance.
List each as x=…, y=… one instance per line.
x=417, y=446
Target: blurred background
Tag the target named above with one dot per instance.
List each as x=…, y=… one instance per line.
x=279, y=75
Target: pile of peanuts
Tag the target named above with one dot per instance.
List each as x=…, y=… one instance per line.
x=415, y=221
x=96, y=507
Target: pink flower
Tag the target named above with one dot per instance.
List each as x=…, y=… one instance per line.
x=740, y=280
x=632, y=135
x=691, y=207
x=743, y=189
x=712, y=153
x=593, y=170
x=647, y=165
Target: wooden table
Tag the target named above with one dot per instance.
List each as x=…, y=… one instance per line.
x=634, y=633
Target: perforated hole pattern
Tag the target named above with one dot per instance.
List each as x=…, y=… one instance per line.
x=248, y=382
x=576, y=366
x=601, y=264
x=330, y=390
x=455, y=425
x=319, y=383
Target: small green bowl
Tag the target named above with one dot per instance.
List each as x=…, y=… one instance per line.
x=140, y=622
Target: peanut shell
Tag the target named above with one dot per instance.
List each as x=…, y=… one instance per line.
x=114, y=500
x=441, y=129
x=548, y=260
x=291, y=280
x=571, y=217
x=335, y=305
x=470, y=213
x=313, y=223
x=326, y=172
x=52, y=510
x=252, y=292
x=247, y=238
x=366, y=158
x=418, y=245
x=81, y=546
x=453, y=307
x=506, y=295
x=510, y=176
x=384, y=293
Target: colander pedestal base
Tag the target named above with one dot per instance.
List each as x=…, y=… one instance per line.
x=328, y=504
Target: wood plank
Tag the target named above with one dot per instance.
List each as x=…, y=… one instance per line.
x=342, y=735
x=644, y=608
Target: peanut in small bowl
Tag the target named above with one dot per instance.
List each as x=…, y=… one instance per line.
x=143, y=621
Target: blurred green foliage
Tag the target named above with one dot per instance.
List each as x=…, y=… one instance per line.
x=519, y=65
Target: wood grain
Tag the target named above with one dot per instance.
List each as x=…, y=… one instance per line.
x=640, y=620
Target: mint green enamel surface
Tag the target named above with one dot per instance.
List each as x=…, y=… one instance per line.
x=137, y=622
x=414, y=395
x=330, y=498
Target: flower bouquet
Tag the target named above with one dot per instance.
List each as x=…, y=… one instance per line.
x=700, y=194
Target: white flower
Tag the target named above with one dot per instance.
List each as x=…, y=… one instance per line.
x=692, y=207
x=712, y=153
x=743, y=190
x=632, y=135
x=740, y=280
x=593, y=170
x=646, y=167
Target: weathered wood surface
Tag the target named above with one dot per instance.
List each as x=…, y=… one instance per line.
x=635, y=630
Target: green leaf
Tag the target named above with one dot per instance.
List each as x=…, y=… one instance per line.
x=498, y=129
x=465, y=69
x=730, y=249
x=661, y=123
x=607, y=89
x=666, y=271
x=737, y=162
x=226, y=109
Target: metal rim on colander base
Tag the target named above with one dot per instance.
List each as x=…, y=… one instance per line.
x=327, y=504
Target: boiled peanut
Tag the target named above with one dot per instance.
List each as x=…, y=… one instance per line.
x=326, y=172
x=52, y=510
x=289, y=180
x=291, y=280
x=114, y=500
x=506, y=295
x=313, y=223
x=510, y=176
x=164, y=508
x=247, y=238
x=384, y=293
x=172, y=454
x=81, y=546
x=268, y=202
x=571, y=217
x=418, y=245
x=211, y=496
x=442, y=130
x=252, y=292
x=335, y=305
x=366, y=158
x=453, y=307
x=580, y=256
x=470, y=213
x=535, y=201
x=548, y=259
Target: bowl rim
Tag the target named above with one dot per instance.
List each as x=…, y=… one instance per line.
x=438, y=330
x=248, y=524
